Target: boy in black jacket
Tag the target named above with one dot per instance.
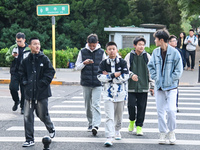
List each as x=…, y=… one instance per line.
x=37, y=73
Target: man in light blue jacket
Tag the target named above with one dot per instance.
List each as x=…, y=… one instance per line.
x=165, y=67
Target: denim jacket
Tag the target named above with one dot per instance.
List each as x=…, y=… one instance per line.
x=172, y=71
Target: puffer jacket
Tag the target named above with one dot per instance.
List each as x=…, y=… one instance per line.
x=37, y=73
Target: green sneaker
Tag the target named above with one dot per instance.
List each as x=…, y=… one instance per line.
x=131, y=126
x=139, y=131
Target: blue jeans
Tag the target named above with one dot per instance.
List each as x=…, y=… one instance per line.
x=41, y=109
x=184, y=57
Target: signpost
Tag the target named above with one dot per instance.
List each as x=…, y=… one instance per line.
x=53, y=10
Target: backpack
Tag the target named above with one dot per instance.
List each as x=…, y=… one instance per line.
x=194, y=38
x=132, y=57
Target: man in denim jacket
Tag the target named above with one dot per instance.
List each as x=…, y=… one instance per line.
x=165, y=67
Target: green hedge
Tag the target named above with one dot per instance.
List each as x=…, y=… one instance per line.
x=63, y=57
x=125, y=51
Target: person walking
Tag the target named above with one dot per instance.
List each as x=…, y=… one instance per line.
x=138, y=84
x=37, y=73
x=173, y=42
x=88, y=62
x=165, y=67
x=15, y=54
x=182, y=47
x=191, y=42
x=113, y=74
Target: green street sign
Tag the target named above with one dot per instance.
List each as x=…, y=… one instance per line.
x=53, y=9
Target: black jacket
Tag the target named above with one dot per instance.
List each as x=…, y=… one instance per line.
x=37, y=73
x=179, y=44
x=120, y=66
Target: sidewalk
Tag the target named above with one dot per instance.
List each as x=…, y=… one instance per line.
x=66, y=76
x=63, y=76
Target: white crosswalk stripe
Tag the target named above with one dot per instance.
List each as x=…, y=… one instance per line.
x=189, y=106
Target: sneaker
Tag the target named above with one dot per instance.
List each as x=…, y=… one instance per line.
x=89, y=129
x=117, y=135
x=162, y=139
x=94, y=131
x=139, y=131
x=22, y=111
x=188, y=68
x=172, y=137
x=28, y=144
x=131, y=126
x=52, y=134
x=109, y=142
x=14, y=108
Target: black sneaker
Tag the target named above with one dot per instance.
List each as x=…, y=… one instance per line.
x=28, y=144
x=94, y=131
x=89, y=129
x=22, y=111
x=14, y=108
x=52, y=134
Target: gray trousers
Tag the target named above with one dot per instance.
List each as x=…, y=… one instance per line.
x=114, y=116
x=92, y=97
x=166, y=105
x=41, y=109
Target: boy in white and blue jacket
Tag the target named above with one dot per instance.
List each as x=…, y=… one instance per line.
x=113, y=74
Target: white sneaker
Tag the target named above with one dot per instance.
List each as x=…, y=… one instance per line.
x=172, y=137
x=117, y=135
x=162, y=139
x=109, y=142
x=52, y=134
x=28, y=143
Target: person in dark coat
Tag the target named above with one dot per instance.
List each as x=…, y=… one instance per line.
x=182, y=47
x=37, y=73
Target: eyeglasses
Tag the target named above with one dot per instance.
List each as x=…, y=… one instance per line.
x=18, y=41
x=173, y=41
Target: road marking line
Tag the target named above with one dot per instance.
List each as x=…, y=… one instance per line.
x=99, y=140
x=151, y=130
x=124, y=120
x=148, y=102
x=125, y=113
x=148, y=107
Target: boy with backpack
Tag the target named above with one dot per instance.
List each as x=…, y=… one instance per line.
x=138, y=84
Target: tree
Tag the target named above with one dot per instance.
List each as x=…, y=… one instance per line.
x=190, y=7
x=86, y=16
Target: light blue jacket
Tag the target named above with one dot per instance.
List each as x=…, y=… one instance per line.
x=172, y=71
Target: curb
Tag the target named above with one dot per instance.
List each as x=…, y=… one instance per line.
x=7, y=81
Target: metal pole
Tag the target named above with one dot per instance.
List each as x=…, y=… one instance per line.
x=53, y=43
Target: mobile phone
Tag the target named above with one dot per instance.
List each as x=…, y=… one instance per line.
x=90, y=60
x=15, y=52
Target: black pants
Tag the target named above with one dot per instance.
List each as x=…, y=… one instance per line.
x=192, y=54
x=14, y=88
x=138, y=100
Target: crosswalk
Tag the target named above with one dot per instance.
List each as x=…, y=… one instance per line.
x=69, y=117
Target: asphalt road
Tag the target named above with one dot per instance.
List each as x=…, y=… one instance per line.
x=66, y=108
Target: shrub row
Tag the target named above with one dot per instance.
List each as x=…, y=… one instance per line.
x=63, y=57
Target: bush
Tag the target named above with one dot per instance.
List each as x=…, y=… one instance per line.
x=63, y=57
x=125, y=51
